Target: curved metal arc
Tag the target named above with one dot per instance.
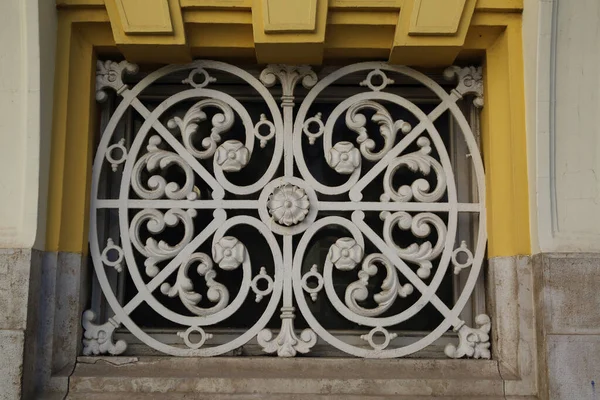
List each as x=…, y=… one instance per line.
x=479, y=252
x=314, y=323
x=355, y=183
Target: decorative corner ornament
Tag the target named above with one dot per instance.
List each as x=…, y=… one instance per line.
x=97, y=339
x=109, y=74
x=470, y=81
x=473, y=343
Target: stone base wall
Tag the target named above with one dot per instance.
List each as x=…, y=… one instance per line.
x=19, y=281
x=569, y=318
x=42, y=297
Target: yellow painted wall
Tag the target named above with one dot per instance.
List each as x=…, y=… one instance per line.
x=488, y=31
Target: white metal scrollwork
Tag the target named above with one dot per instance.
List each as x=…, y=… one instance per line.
x=295, y=203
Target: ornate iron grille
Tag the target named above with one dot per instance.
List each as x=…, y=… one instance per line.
x=184, y=172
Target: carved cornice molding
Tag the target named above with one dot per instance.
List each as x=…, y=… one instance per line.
x=277, y=31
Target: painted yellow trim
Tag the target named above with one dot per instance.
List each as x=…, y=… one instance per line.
x=504, y=144
x=217, y=4
x=150, y=47
x=407, y=48
x=220, y=34
x=281, y=16
x=214, y=17
x=436, y=17
x=354, y=18
x=289, y=47
x=366, y=4
x=155, y=19
x=494, y=37
x=80, y=3
x=74, y=111
x=501, y=6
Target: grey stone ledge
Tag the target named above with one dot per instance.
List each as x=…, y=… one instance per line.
x=270, y=378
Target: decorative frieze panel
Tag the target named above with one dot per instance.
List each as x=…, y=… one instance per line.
x=380, y=188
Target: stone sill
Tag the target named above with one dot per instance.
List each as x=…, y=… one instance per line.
x=272, y=377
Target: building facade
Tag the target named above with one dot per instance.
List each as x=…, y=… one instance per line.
x=84, y=82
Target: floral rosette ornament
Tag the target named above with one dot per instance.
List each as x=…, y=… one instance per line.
x=345, y=253
x=228, y=253
x=232, y=156
x=344, y=158
x=288, y=204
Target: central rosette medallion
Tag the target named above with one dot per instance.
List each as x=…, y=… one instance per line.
x=288, y=204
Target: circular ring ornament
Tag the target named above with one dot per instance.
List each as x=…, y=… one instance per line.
x=369, y=81
x=458, y=266
x=116, y=263
x=313, y=136
x=186, y=337
x=206, y=78
x=387, y=337
x=262, y=275
x=264, y=138
x=115, y=161
x=313, y=291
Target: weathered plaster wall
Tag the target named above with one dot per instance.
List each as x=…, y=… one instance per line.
x=27, y=43
x=562, y=96
x=22, y=117
x=567, y=138
x=577, y=118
